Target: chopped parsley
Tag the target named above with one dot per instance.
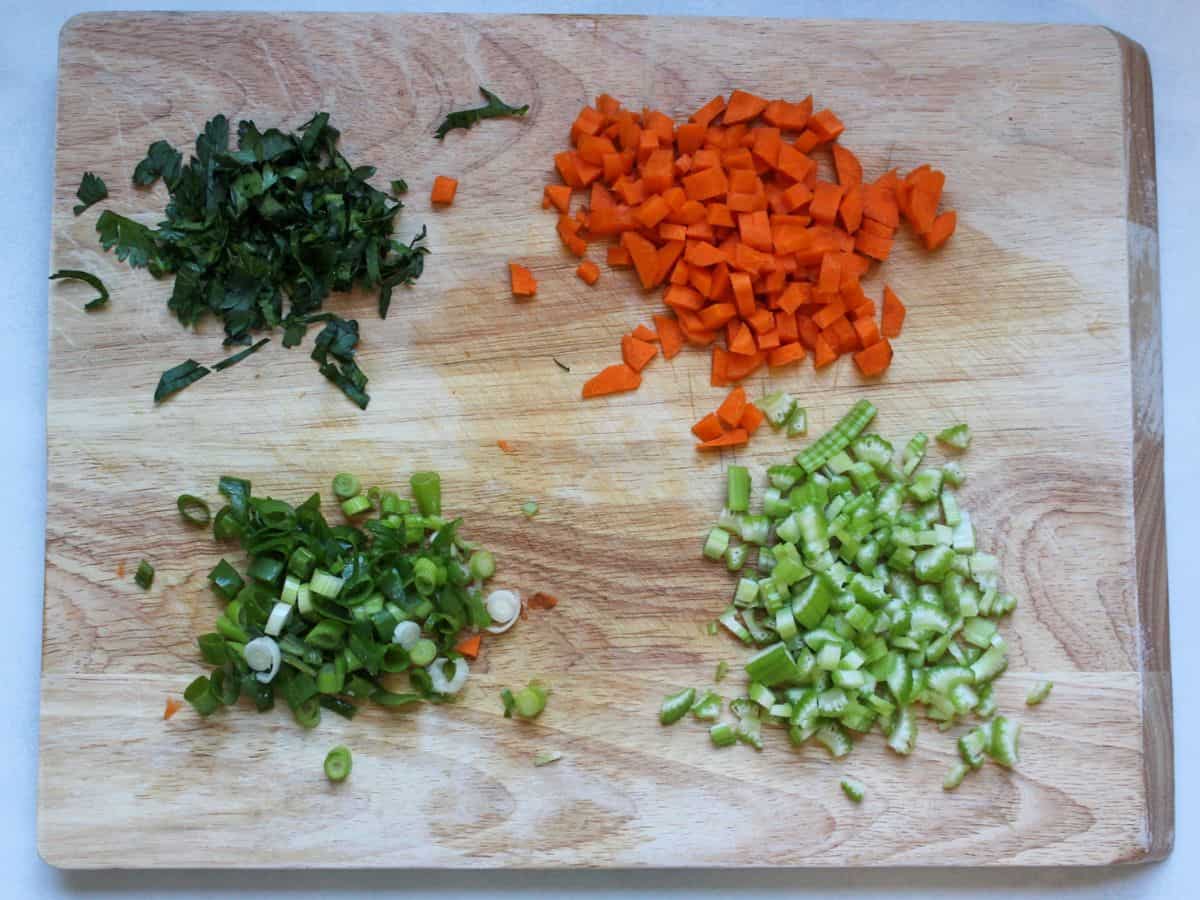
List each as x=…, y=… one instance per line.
x=465, y=118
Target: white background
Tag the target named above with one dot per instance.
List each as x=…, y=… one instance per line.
x=1169, y=31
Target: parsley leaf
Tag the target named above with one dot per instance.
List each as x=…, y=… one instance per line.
x=338, y=339
x=134, y=242
x=465, y=118
x=87, y=278
x=404, y=267
x=92, y=189
x=177, y=378
x=239, y=356
x=162, y=160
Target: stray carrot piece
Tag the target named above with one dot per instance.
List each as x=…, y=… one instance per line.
x=642, y=333
x=612, y=380
x=943, y=226
x=618, y=256
x=443, y=190
x=875, y=359
x=558, y=196
x=849, y=169
x=588, y=271
x=922, y=210
x=751, y=418
x=893, y=313
x=786, y=354
x=173, y=706
x=669, y=336
x=506, y=446
x=542, y=601
x=743, y=107
x=523, y=282
x=637, y=353
x=824, y=353
x=709, y=111
x=825, y=125
x=735, y=438
x=121, y=569
x=708, y=428
x=469, y=646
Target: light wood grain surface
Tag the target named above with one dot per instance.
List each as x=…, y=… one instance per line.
x=1038, y=324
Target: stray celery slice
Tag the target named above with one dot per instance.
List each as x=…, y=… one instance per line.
x=854, y=789
x=1038, y=693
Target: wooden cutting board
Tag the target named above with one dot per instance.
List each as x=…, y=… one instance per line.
x=1038, y=324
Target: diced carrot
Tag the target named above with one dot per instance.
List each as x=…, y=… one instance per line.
x=708, y=428
x=826, y=125
x=824, y=354
x=506, y=446
x=786, y=354
x=849, y=169
x=795, y=164
x=612, y=380
x=843, y=336
x=668, y=254
x=469, y=646
x=717, y=314
x=788, y=116
x=444, y=188
x=807, y=141
x=706, y=184
x=865, y=311
x=735, y=438
x=541, y=601
x=755, y=230
x=589, y=121
x=568, y=231
x=875, y=359
x=701, y=279
x=653, y=211
x=829, y=279
x=669, y=336
x=828, y=314
x=743, y=107
x=768, y=340
x=752, y=418
x=851, y=210
x=588, y=271
x=943, y=226
x=893, y=313
x=618, y=256
x=743, y=293
x=738, y=367
x=637, y=353
x=922, y=210
x=731, y=408
x=868, y=331
x=872, y=246
x=709, y=111
x=523, y=282
x=682, y=296
x=879, y=203
x=644, y=255
x=173, y=706
x=702, y=253
x=825, y=202
x=743, y=342
x=720, y=360
x=762, y=320
x=669, y=231
x=556, y=195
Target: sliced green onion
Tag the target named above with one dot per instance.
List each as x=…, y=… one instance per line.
x=956, y=436
x=423, y=652
x=225, y=580
x=338, y=763
x=1038, y=693
x=482, y=565
x=427, y=491
x=722, y=671
x=527, y=703
x=201, y=696
x=675, y=706
x=722, y=735
x=144, y=576
x=346, y=486
x=325, y=585
x=707, y=706
x=266, y=569
x=193, y=509
x=854, y=789
x=355, y=506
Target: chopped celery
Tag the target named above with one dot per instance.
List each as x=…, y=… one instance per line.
x=716, y=544
x=1038, y=693
x=853, y=789
x=927, y=485
x=956, y=436
x=952, y=474
x=836, y=439
x=738, y=489
x=722, y=735
x=955, y=776
x=675, y=706
x=777, y=408
x=797, y=423
x=914, y=452
x=735, y=556
x=707, y=707
x=1003, y=745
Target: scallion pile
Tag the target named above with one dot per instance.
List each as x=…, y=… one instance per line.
x=867, y=598
x=325, y=616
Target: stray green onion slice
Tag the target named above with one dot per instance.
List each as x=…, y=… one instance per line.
x=1038, y=693
x=193, y=509
x=338, y=763
x=144, y=576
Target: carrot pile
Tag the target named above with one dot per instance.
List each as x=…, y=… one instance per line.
x=731, y=425
x=728, y=213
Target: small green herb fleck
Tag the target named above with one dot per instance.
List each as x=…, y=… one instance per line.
x=177, y=378
x=92, y=189
x=144, y=576
x=465, y=118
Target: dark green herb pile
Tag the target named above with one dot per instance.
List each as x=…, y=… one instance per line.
x=321, y=603
x=260, y=235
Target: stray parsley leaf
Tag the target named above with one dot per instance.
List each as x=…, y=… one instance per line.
x=162, y=160
x=259, y=235
x=87, y=278
x=338, y=339
x=465, y=118
x=399, y=186
x=177, y=378
x=239, y=356
x=92, y=189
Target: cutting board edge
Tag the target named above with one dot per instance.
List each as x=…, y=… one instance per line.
x=1150, y=545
